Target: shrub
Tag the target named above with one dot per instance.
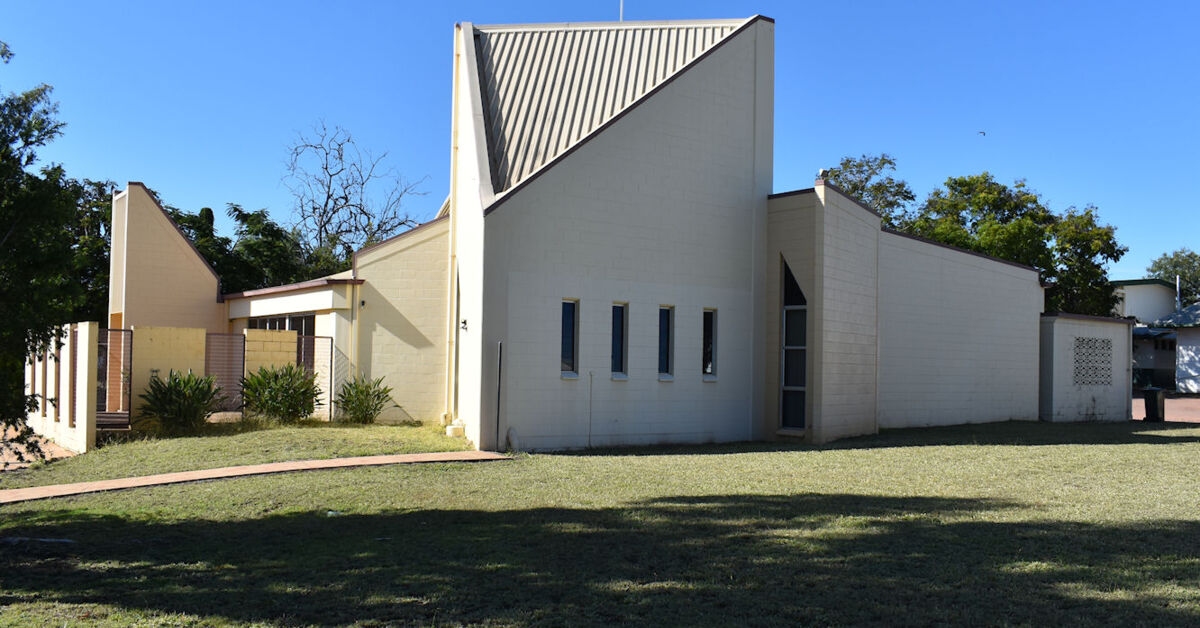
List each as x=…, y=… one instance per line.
x=285, y=394
x=362, y=400
x=178, y=405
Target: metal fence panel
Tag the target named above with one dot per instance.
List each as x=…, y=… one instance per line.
x=114, y=381
x=225, y=360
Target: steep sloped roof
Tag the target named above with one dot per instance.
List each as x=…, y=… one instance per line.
x=547, y=86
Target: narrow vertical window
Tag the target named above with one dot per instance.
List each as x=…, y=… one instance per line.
x=709, y=344
x=794, y=353
x=666, y=340
x=570, y=335
x=620, y=340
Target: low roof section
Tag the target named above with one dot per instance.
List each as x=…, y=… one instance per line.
x=327, y=293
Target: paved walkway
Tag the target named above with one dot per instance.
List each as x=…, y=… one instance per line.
x=9, y=460
x=1181, y=409
x=62, y=490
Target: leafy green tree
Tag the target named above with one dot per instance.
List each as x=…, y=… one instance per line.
x=38, y=289
x=866, y=178
x=93, y=240
x=1184, y=263
x=1069, y=250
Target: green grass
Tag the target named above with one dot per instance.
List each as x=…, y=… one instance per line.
x=1000, y=524
x=230, y=444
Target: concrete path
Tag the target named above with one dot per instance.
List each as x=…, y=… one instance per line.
x=9, y=460
x=1180, y=409
x=14, y=495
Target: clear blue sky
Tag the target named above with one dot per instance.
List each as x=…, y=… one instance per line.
x=1091, y=102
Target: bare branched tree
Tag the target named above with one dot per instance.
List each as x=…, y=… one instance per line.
x=345, y=195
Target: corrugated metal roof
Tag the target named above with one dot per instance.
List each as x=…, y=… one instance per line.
x=1187, y=317
x=545, y=87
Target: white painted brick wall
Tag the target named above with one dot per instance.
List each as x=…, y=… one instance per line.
x=659, y=209
x=1061, y=399
x=958, y=337
x=1187, y=360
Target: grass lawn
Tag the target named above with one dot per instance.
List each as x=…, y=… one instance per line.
x=229, y=444
x=999, y=524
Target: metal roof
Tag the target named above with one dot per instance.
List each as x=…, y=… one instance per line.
x=547, y=86
x=1187, y=317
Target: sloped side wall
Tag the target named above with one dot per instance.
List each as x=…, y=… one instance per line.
x=958, y=336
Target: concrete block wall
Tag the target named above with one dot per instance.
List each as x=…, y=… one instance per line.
x=158, y=279
x=159, y=350
x=402, y=329
x=958, y=336
x=846, y=311
x=268, y=348
x=663, y=207
x=1102, y=394
x=66, y=412
x=791, y=239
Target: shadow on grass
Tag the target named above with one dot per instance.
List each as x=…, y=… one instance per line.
x=749, y=559
x=1028, y=433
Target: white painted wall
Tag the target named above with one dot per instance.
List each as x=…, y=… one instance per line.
x=1062, y=397
x=1146, y=302
x=53, y=376
x=1187, y=360
x=846, y=309
x=664, y=207
x=958, y=336
x=314, y=300
x=471, y=191
x=791, y=238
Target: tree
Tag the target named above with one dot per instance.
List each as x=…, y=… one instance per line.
x=344, y=196
x=864, y=178
x=93, y=240
x=1184, y=263
x=38, y=290
x=1069, y=250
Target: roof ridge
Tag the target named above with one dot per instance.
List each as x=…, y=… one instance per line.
x=629, y=24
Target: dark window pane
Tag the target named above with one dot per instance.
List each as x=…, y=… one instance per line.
x=794, y=323
x=618, y=339
x=793, y=409
x=793, y=367
x=709, y=330
x=664, y=340
x=568, y=336
x=791, y=290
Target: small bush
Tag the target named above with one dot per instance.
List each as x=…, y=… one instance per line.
x=285, y=394
x=180, y=404
x=362, y=400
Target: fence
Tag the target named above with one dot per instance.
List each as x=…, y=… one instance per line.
x=63, y=379
x=225, y=360
x=114, y=378
x=315, y=355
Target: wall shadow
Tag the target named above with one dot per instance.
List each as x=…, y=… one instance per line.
x=713, y=560
x=1025, y=433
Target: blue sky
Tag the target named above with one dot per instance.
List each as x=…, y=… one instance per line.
x=1091, y=102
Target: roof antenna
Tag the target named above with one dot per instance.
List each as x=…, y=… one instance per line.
x=621, y=15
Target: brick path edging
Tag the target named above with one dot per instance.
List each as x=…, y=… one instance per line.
x=14, y=495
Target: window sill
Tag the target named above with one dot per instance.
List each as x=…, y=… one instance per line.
x=666, y=377
x=620, y=377
x=710, y=378
x=570, y=375
x=794, y=432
